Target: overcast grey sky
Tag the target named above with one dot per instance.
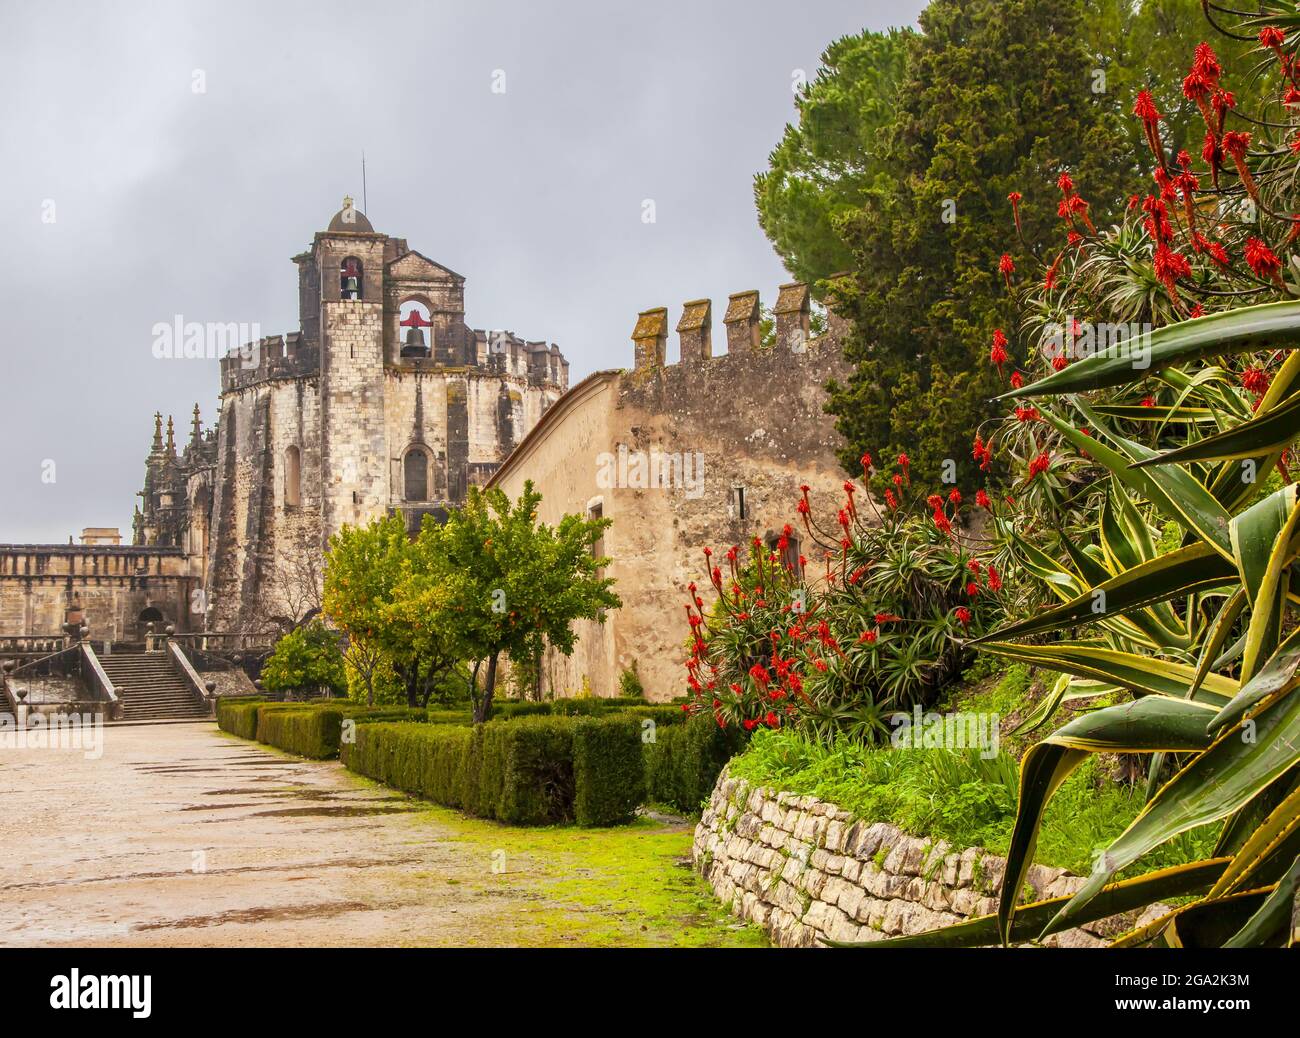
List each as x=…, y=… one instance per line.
x=167, y=201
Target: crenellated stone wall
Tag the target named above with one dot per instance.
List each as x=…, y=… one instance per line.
x=749, y=423
x=807, y=871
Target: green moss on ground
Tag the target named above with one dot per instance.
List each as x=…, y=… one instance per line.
x=625, y=886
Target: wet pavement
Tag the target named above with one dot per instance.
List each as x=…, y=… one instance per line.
x=182, y=835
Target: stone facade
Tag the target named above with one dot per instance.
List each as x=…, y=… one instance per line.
x=342, y=421
x=752, y=416
x=120, y=588
x=807, y=872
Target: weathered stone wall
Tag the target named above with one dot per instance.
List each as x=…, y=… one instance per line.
x=754, y=416
x=260, y=539
x=807, y=871
x=112, y=584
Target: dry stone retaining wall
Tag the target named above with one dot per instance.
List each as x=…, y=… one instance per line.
x=805, y=871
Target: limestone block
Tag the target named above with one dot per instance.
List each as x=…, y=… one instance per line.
x=818, y=915
x=1074, y=939
x=1065, y=886
x=906, y=856
x=850, y=899
x=966, y=865
x=843, y=929
x=937, y=897
x=814, y=882
x=1039, y=878
x=991, y=871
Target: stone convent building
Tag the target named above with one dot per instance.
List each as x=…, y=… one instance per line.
x=384, y=400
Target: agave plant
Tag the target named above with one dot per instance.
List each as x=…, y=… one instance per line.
x=1200, y=637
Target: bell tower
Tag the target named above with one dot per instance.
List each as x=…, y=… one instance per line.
x=346, y=267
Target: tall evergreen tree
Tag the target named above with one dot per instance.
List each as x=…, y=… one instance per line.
x=998, y=96
x=832, y=159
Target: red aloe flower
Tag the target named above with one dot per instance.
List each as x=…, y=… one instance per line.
x=1006, y=267
x=1236, y=143
x=1263, y=260
x=1271, y=36
x=998, y=354
x=982, y=499
x=1014, y=198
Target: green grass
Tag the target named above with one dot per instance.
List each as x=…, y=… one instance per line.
x=624, y=886
x=959, y=797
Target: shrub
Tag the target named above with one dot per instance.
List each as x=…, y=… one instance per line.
x=608, y=770
x=506, y=709
x=660, y=714
x=423, y=760
x=308, y=731
x=307, y=657
x=881, y=631
x=238, y=715
x=531, y=771
x=316, y=730
x=629, y=683
x=684, y=761
x=528, y=770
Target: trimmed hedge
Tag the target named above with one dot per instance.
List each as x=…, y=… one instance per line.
x=424, y=760
x=608, y=770
x=683, y=763
x=531, y=771
x=534, y=769
x=581, y=706
x=316, y=730
x=238, y=715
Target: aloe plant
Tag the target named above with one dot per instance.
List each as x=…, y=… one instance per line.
x=1156, y=626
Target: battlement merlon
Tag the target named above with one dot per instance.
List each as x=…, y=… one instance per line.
x=271, y=357
x=792, y=317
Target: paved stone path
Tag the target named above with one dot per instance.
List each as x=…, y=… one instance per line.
x=182, y=835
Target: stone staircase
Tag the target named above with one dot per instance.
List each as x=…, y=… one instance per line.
x=150, y=688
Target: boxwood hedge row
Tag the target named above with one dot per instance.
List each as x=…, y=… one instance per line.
x=530, y=768
x=684, y=761
x=530, y=771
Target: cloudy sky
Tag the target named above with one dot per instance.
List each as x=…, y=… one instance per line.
x=168, y=159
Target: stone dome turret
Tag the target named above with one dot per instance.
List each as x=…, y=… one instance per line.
x=350, y=218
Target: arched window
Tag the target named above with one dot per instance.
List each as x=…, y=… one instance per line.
x=415, y=475
x=292, y=477
x=350, y=278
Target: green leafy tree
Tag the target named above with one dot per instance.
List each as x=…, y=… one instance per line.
x=385, y=634
x=828, y=163
x=507, y=584
x=361, y=570
x=306, y=658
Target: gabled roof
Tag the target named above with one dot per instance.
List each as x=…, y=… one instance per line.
x=415, y=265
